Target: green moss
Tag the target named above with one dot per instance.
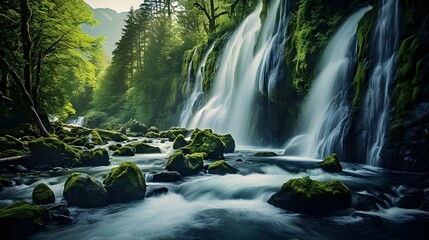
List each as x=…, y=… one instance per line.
x=211, y=63
x=167, y=134
x=228, y=141
x=8, y=142
x=264, y=11
x=143, y=148
x=331, y=164
x=96, y=157
x=176, y=131
x=265, y=154
x=179, y=142
x=42, y=194
x=125, y=182
x=310, y=189
x=82, y=190
x=125, y=151
x=111, y=135
x=153, y=129
x=185, y=165
x=14, y=152
x=152, y=135
x=221, y=167
x=114, y=147
x=96, y=138
x=206, y=141
x=53, y=152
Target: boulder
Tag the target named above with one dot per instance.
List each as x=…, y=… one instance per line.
x=42, y=194
x=8, y=142
x=176, y=131
x=153, y=129
x=229, y=142
x=157, y=192
x=168, y=176
x=331, y=164
x=125, y=151
x=97, y=157
x=221, y=167
x=111, y=135
x=206, y=141
x=114, y=147
x=167, y=134
x=143, y=148
x=179, y=142
x=185, y=165
x=13, y=153
x=265, y=154
x=136, y=126
x=21, y=220
x=310, y=196
x=152, y=135
x=82, y=190
x=53, y=152
x=125, y=183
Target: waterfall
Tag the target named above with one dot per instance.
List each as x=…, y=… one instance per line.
x=327, y=106
x=376, y=102
x=76, y=122
x=195, y=97
x=249, y=65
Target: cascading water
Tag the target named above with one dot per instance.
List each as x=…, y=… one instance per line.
x=243, y=72
x=376, y=103
x=76, y=122
x=327, y=106
x=194, y=98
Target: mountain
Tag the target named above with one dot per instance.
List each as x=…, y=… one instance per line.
x=110, y=25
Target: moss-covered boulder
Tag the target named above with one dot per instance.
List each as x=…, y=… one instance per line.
x=206, y=141
x=8, y=143
x=53, y=152
x=265, y=154
x=42, y=194
x=167, y=134
x=152, y=135
x=95, y=138
x=111, y=135
x=153, y=129
x=331, y=164
x=311, y=196
x=83, y=191
x=143, y=148
x=179, y=142
x=176, y=131
x=221, y=167
x=228, y=141
x=114, y=147
x=20, y=220
x=136, y=126
x=97, y=157
x=168, y=176
x=125, y=151
x=185, y=165
x=125, y=183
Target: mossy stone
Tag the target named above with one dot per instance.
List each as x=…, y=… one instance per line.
x=20, y=220
x=228, y=141
x=82, y=190
x=111, y=135
x=265, y=154
x=96, y=157
x=125, y=183
x=143, y=148
x=221, y=167
x=153, y=129
x=53, y=152
x=179, y=142
x=125, y=151
x=136, y=126
x=152, y=135
x=185, y=165
x=42, y=194
x=331, y=164
x=8, y=142
x=167, y=134
x=206, y=141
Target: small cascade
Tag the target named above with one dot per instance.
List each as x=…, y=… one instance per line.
x=194, y=97
x=76, y=122
x=327, y=105
x=249, y=65
x=376, y=103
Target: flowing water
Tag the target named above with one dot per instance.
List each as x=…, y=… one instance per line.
x=327, y=106
x=249, y=64
x=235, y=206
x=76, y=122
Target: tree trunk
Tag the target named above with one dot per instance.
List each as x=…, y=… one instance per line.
x=26, y=43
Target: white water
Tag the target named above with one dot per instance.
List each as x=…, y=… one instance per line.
x=376, y=103
x=76, y=122
x=245, y=67
x=327, y=106
x=194, y=97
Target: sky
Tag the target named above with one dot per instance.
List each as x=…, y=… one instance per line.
x=117, y=5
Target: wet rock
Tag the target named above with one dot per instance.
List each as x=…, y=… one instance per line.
x=125, y=151
x=331, y=164
x=20, y=169
x=136, y=126
x=186, y=165
x=111, y=135
x=152, y=135
x=228, y=141
x=265, y=154
x=221, y=168
x=143, y=148
x=82, y=190
x=369, y=221
x=157, y=192
x=53, y=152
x=97, y=157
x=42, y=194
x=179, y=142
x=207, y=142
x=153, y=129
x=366, y=202
x=168, y=176
x=167, y=134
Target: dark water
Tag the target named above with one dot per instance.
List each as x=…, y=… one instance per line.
x=234, y=206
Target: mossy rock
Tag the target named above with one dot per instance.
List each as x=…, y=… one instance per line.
x=97, y=157
x=229, y=142
x=21, y=220
x=114, y=147
x=42, y=194
x=27, y=138
x=143, y=148
x=168, y=176
x=176, y=131
x=83, y=191
x=311, y=196
x=153, y=129
x=185, y=165
x=125, y=183
x=25, y=129
x=265, y=154
x=206, y=141
x=53, y=152
x=167, y=134
x=14, y=152
x=152, y=135
x=179, y=142
x=125, y=151
x=331, y=164
x=96, y=138
x=221, y=167
x=111, y=135
x=8, y=142
x=136, y=126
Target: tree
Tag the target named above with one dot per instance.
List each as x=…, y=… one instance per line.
x=211, y=12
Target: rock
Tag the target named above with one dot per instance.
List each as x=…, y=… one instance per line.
x=331, y=164
x=157, y=192
x=21, y=220
x=111, y=135
x=229, y=142
x=186, y=166
x=143, y=148
x=125, y=183
x=82, y=190
x=97, y=157
x=152, y=135
x=5, y=182
x=265, y=154
x=125, y=151
x=53, y=152
x=60, y=214
x=221, y=167
x=42, y=194
x=136, y=126
x=20, y=169
x=123, y=130
x=114, y=147
x=310, y=196
x=179, y=142
x=206, y=141
x=153, y=129
x=176, y=131
x=168, y=176
x=13, y=153
x=8, y=142
x=366, y=202
x=167, y=134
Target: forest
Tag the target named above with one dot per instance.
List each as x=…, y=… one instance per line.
x=304, y=119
